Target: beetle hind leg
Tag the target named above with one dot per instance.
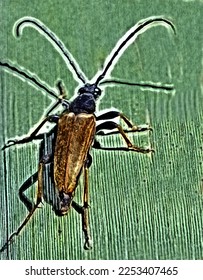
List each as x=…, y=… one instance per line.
x=85, y=217
x=23, y=224
x=28, y=204
x=83, y=210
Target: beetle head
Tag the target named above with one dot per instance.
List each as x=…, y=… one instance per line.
x=90, y=89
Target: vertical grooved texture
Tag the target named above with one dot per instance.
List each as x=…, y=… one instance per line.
x=141, y=207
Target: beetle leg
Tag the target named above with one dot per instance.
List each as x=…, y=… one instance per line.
x=97, y=145
x=33, y=135
x=85, y=218
x=28, y=183
x=26, y=220
x=109, y=125
x=43, y=161
x=61, y=100
x=115, y=114
x=83, y=210
x=61, y=89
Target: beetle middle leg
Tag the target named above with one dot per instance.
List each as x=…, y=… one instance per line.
x=37, y=176
x=110, y=125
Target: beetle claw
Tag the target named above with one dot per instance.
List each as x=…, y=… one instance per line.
x=9, y=144
x=142, y=128
x=142, y=150
x=150, y=150
x=88, y=243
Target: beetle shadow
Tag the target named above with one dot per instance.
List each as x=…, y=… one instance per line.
x=47, y=148
x=49, y=193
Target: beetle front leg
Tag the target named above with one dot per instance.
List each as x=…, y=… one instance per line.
x=110, y=125
x=33, y=135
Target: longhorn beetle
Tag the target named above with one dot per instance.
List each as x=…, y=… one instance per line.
x=77, y=125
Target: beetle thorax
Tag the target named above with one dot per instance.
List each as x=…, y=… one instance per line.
x=85, y=102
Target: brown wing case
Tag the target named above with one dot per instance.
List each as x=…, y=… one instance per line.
x=74, y=138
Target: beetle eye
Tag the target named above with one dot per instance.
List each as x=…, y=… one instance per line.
x=81, y=90
x=97, y=92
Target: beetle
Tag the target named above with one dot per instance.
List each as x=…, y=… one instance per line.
x=77, y=126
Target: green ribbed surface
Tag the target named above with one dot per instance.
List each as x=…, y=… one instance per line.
x=141, y=207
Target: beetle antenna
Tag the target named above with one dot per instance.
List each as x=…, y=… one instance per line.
x=33, y=79
x=54, y=40
x=167, y=87
x=129, y=38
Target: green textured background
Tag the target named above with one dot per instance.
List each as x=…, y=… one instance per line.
x=141, y=207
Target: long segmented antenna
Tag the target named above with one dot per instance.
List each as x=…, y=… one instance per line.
x=128, y=39
x=33, y=79
x=54, y=40
x=167, y=87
